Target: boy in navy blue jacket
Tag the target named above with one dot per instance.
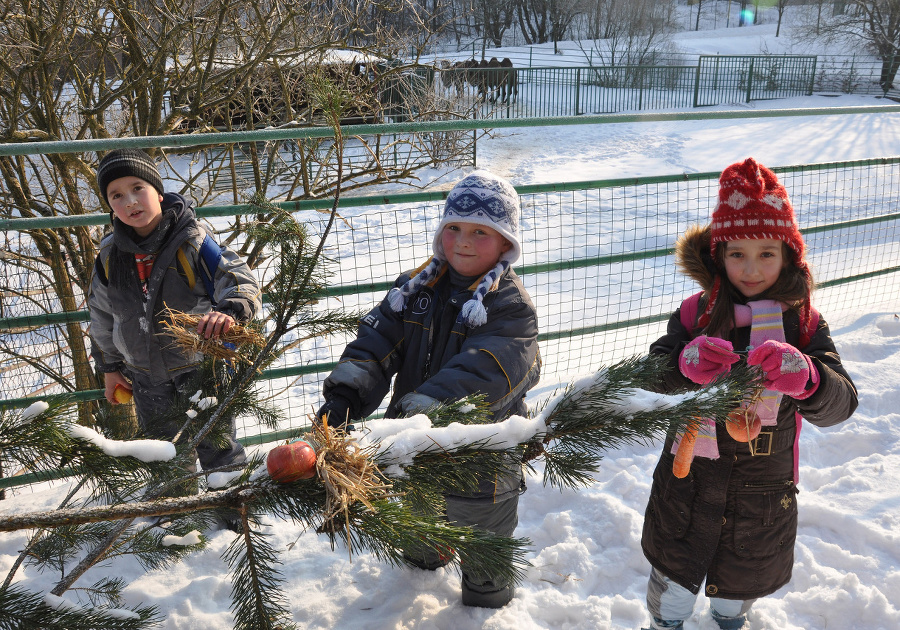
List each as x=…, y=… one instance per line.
x=461, y=324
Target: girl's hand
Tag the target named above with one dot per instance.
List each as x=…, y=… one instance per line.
x=706, y=358
x=110, y=380
x=214, y=324
x=786, y=369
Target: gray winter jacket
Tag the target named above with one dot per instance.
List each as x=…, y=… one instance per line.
x=126, y=329
x=436, y=358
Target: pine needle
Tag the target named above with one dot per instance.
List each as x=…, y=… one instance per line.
x=183, y=329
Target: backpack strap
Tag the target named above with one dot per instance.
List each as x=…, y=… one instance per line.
x=210, y=256
x=208, y=262
x=186, y=267
x=689, y=309
x=813, y=320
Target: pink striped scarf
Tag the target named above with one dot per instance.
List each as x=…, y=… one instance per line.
x=765, y=321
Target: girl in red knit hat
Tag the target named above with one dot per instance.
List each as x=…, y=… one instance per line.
x=729, y=516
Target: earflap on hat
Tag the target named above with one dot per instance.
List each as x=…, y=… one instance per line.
x=484, y=199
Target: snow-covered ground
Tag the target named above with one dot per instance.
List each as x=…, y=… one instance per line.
x=588, y=571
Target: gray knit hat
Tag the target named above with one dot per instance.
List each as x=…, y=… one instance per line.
x=125, y=162
x=485, y=199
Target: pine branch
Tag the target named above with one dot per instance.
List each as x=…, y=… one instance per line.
x=22, y=610
x=393, y=527
x=160, y=507
x=610, y=410
x=37, y=443
x=257, y=601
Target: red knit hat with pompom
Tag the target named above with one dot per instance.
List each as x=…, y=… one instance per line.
x=754, y=205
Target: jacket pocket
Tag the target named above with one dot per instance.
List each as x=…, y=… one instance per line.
x=765, y=519
x=671, y=507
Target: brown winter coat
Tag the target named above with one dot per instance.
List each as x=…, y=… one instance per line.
x=733, y=520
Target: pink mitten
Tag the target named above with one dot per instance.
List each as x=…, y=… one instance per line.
x=786, y=369
x=705, y=358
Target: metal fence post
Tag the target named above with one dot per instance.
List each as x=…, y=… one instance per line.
x=812, y=76
x=578, y=92
x=750, y=79
x=697, y=82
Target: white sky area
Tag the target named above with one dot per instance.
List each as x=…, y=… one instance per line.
x=587, y=568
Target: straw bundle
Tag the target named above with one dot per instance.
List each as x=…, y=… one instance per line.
x=349, y=475
x=182, y=327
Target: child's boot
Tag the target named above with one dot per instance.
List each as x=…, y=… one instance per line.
x=482, y=596
x=729, y=623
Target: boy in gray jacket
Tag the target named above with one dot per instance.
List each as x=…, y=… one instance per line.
x=461, y=324
x=152, y=260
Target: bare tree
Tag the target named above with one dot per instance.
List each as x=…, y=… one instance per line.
x=781, y=5
x=699, y=4
x=546, y=20
x=631, y=32
x=115, y=68
x=534, y=20
x=873, y=25
x=496, y=18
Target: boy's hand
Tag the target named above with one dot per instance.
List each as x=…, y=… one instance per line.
x=214, y=324
x=110, y=380
x=337, y=410
x=706, y=358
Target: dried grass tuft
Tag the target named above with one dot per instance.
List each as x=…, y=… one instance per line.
x=183, y=329
x=349, y=475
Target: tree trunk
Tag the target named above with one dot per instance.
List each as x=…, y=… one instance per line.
x=889, y=66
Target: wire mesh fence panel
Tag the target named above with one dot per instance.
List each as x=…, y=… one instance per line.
x=726, y=79
x=597, y=262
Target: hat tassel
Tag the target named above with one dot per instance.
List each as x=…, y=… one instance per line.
x=473, y=313
x=396, y=299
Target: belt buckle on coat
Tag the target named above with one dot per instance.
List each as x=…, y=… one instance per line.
x=762, y=443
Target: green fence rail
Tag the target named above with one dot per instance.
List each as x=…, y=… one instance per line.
x=596, y=261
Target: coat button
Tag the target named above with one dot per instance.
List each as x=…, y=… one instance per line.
x=724, y=520
x=711, y=589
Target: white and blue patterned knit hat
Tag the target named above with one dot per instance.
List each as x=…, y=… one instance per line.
x=485, y=199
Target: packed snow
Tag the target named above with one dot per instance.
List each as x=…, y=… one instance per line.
x=587, y=568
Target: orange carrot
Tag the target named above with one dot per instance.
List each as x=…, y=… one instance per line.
x=685, y=453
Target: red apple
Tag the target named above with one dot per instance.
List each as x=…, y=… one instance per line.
x=290, y=462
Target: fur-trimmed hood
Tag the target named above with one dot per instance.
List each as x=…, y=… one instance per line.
x=692, y=255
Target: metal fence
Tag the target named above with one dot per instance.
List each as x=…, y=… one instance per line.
x=596, y=261
x=573, y=91
x=858, y=73
x=743, y=78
